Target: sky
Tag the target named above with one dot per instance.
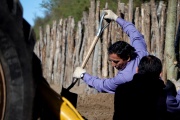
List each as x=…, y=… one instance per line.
x=31, y=9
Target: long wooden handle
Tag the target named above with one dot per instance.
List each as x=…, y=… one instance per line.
x=90, y=51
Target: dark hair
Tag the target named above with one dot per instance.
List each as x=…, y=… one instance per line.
x=150, y=65
x=123, y=50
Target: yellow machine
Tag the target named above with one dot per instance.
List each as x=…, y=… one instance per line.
x=59, y=104
x=62, y=108
x=24, y=93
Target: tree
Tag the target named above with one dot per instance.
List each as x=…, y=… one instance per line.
x=170, y=57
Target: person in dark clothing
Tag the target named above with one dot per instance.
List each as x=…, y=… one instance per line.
x=144, y=97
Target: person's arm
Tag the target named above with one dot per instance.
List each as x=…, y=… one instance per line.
x=104, y=85
x=110, y=84
x=136, y=38
x=173, y=96
x=173, y=102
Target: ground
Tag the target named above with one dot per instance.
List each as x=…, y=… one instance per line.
x=94, y=106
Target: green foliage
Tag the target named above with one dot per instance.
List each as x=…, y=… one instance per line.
x=56, y=9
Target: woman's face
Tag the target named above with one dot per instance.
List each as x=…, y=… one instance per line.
x=117, y=62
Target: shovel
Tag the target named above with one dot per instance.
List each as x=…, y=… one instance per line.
x=72, y=97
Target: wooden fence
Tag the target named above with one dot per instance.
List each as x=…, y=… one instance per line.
x=63, y=46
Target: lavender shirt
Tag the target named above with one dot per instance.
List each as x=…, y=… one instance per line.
x=173, y=103
x=110, y=84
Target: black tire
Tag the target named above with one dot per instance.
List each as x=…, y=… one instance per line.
x=16, y=75
x=17, y=91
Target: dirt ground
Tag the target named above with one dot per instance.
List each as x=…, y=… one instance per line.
x=97, y=106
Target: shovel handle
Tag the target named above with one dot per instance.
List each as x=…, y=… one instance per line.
x=90, y=51
x=100, y=30
x=85, y=60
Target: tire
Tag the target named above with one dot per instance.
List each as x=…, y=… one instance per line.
x=16, y=86
x=16, y=51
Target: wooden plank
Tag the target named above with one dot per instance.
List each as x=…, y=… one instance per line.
x=63, y=57
x=105, y=52
x=130, y=10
